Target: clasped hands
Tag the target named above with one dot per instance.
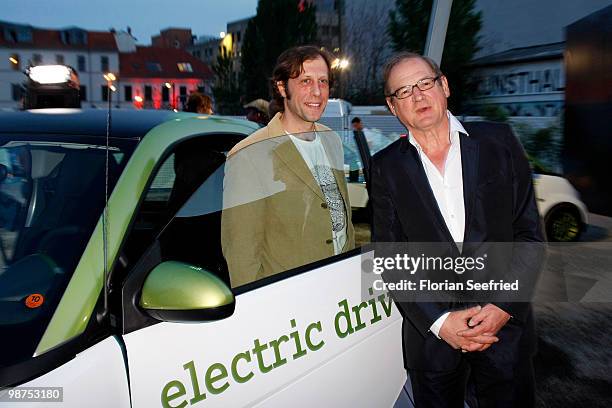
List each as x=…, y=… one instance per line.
x=473, y=329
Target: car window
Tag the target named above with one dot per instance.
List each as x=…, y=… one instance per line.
x=51, y=198
x=184, y=169
x=253, y=212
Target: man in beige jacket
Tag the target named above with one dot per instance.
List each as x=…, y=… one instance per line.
x=285, y=196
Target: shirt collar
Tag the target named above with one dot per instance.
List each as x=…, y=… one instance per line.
x=455, y=128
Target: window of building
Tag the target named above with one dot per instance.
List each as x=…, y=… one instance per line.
x=18, y=34
x=104, y=66
x=81, y=63
x=184, y=67
x=165, y=93
x=127, y=93
x=36, y=59
x=148, y=93
x=83, y=92
x=238, y=36
x=183, y=95
x=59, y=58
x=15, y=62
x=74, y=37
x=16, y=91
x=105, y=93
x=153, y=66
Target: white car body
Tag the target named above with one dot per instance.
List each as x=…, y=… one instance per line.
x=555, y=190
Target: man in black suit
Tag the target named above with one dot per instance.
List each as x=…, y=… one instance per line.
x=458, y=183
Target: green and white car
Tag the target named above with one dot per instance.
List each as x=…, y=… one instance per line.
x=133, y=306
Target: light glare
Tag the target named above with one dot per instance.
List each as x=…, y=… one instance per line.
x=49, y=74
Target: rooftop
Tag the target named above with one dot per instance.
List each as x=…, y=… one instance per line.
x=14, y=35
x=523, y=54
x=157, y=62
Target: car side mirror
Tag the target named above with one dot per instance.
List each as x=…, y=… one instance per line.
x=177, y=292
x=3, y=172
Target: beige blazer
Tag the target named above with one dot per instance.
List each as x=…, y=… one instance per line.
x=275, y=215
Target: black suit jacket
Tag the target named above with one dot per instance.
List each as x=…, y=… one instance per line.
x=499, y=207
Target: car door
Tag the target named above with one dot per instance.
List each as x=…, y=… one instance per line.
x=309, y=335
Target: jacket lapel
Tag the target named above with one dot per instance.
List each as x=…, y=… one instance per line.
x=414, y=170
x=469, y=164
x=290, y=156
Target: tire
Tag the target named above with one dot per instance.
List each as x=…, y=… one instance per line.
x=563, y=223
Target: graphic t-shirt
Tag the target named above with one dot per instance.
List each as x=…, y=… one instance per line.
x=316, y=159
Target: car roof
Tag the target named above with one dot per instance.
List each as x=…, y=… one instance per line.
x=125, y=122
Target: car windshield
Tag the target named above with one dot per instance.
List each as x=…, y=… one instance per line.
x=52, y=193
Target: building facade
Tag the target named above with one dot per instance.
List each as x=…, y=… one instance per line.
x=160, y=78
x=147, y=77
x=520, y=66
x=528, y=81
x=90, y=53
x=180, y=38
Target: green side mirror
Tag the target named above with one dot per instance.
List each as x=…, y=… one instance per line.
x=178, y=292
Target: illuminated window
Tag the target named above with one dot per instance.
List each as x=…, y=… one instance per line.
x=184, y=67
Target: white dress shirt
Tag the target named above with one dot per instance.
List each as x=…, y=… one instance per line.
x=448, y=191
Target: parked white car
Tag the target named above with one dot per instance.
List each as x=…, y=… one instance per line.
x=565, y=215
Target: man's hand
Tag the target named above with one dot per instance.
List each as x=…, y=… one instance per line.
x=487, y=322
x=457, y=322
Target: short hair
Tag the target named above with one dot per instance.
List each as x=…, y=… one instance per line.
x=402, y=56
x=197, y=100
x=356, y=120
x=290, y=64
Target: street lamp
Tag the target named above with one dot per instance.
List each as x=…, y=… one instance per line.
x=340, y=65
x=110, y=78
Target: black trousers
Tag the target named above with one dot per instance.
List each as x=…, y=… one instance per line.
x=501, y=376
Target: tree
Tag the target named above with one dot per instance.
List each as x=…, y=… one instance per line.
x=225, y=90
x=278, y=25
x=408, y=31
x=367, y=48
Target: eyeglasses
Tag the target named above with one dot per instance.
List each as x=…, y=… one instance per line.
x=423, y=85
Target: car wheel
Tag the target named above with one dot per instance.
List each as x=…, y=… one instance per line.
x=563, y=223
